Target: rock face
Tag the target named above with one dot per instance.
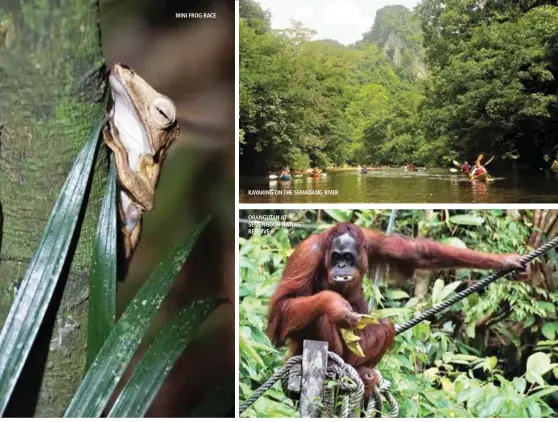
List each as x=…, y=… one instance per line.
x=397, y=32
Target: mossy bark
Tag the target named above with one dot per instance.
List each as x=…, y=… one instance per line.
x=52, y=90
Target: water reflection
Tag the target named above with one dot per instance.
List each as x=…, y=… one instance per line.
x=397, y=186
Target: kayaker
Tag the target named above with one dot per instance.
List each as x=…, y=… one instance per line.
x=466, y=168
x=478, y=169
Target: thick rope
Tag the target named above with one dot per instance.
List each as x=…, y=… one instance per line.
x=476, y=287
x=350, y=384
x=281, y=373
x=375, y=401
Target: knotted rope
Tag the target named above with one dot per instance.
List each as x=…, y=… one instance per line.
x=375, y=401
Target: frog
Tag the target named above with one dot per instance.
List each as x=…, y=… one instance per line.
x=141, y=126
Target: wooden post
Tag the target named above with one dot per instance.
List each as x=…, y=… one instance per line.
x=314, y=365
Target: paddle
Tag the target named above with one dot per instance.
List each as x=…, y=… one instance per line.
x=489, y=161
x=453, y=170
x=457, y=163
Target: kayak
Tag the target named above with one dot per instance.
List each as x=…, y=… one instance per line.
x=364, y=171
x=484, y=177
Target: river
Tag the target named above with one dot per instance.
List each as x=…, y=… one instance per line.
x=436, y=185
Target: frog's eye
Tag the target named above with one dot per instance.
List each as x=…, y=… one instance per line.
x=163, y=112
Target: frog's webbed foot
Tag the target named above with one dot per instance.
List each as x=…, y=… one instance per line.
x=131, y=227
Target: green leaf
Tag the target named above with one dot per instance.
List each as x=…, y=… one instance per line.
x=520, y=385
x=530, y=320
x=106, y=370
x=396, y=294
x=455, y=242
x=43, y=272
x=549, y=330
x=466, y=220
x=537, y=364
x=102, y=282
x=339, y=215
x=490, y=363
x=534, y=409
x=138, y=394
x=412, y=302
x=246, y=345
x=544, y=392
x=447, y=290
x=436, y=290
x=494, y=406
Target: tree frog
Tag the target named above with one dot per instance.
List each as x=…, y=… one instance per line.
x=141, y=127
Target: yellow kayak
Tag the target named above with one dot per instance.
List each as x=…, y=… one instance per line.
x=484, y=177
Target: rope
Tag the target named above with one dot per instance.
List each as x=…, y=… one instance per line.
x=476, y=287
x=347, y=379
x=284, y=371
x=375, y=401
x=349, y=384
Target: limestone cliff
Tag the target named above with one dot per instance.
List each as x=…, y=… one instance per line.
x=396, y=31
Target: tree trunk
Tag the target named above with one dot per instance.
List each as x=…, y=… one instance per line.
x=52, y=89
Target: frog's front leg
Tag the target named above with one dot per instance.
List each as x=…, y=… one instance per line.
x=139, y=186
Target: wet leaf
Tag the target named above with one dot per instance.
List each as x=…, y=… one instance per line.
x=102, y=282
x=114, y=357
x=138, y=394
x=42, y=275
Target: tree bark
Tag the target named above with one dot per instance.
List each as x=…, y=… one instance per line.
x=52, y=89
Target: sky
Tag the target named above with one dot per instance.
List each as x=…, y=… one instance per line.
x=341, y=20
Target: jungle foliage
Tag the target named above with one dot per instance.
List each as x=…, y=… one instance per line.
x=493, y=354
x=447, y=81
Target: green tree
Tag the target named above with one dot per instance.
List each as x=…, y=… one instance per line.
x=493, y=81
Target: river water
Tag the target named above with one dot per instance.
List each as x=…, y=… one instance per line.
x=398, y=186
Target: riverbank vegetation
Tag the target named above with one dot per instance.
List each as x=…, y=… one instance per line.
x=447, y=81
x=492, y=354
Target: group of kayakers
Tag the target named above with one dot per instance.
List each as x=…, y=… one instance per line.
x=474, y=172
x=285, y=174
x=408, y=167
